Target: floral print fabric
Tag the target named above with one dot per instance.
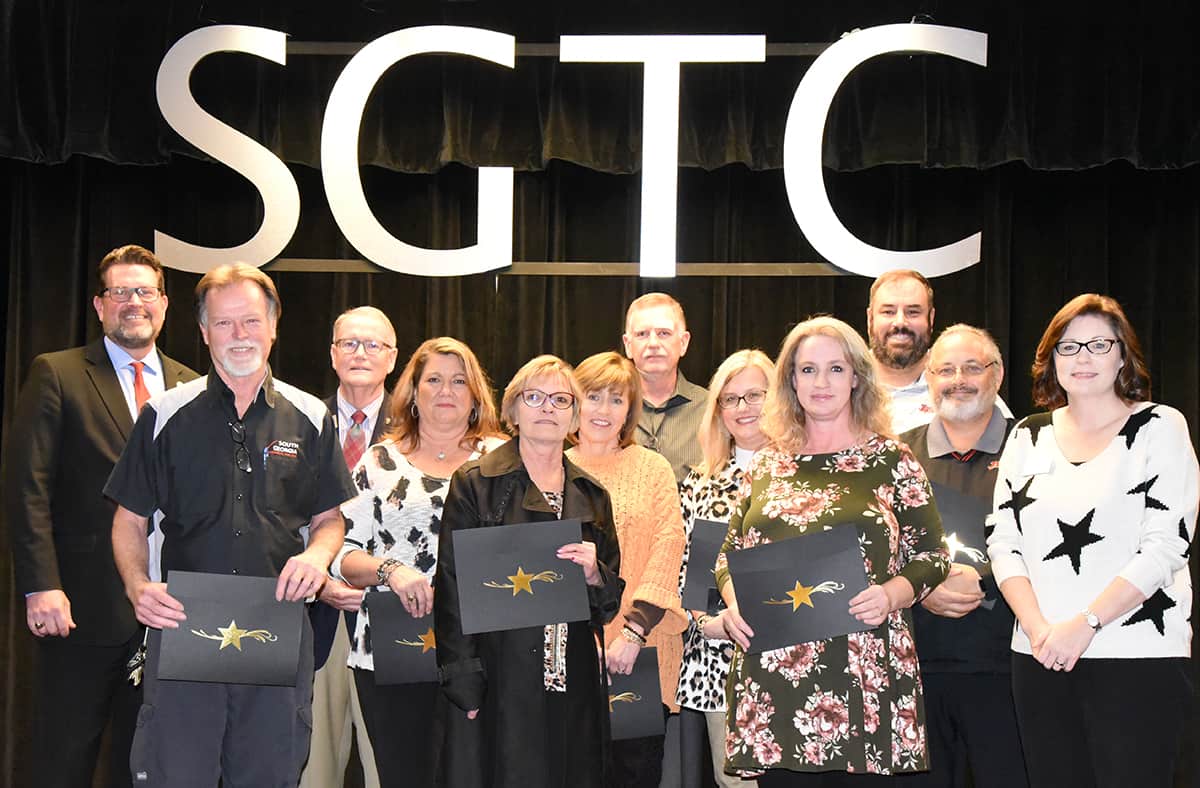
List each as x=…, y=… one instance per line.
x=851, y=703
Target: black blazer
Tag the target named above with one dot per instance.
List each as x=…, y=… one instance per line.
x=70, y=425
x=323, y=616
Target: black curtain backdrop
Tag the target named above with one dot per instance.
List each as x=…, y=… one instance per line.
x=1076, y=153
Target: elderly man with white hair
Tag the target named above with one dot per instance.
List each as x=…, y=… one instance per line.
x=963, y=626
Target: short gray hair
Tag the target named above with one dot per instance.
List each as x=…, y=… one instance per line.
x=365, y=311
x=958, y=329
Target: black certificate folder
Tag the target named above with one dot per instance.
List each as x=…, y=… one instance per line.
x=635, y=706
x=706, y=541
x=799, y=590
x=510, y=577
x=235, y=632
x=963, y=522
x=403, y=648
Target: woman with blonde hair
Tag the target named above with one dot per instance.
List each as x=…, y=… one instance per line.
x=645, y=503
x=534, y=698
x=442, y=414
x=730, y=433
x=848, y=707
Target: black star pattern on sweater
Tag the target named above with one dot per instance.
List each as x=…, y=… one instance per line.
x=1034, y=424
x=360, y=478
x=1152, y=610
x=1144, y=489
x=399, y=493
x=1135, y=422
x=430, y=484
x=1075, y=538
x=1019, y=500
x=1183, y=534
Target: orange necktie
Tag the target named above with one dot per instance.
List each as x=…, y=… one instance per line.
x=141, y=394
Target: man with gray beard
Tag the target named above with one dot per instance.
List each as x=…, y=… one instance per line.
x=963, y=626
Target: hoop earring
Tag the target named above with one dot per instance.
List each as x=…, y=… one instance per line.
x=413, y=409
x=473, y=416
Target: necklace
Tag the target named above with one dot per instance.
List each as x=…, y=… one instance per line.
x=441, y=455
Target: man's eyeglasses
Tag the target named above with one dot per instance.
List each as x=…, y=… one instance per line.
x=1097, y=347
x=752, y=397
x=241, y=457
x=972, y=369
x=559, y=399
x=370, y=346
x=123, y=294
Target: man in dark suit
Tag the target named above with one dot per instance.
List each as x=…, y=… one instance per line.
x=363, y=354
x=72, y=420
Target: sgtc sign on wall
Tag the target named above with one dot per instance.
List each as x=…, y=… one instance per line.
x=662, y=56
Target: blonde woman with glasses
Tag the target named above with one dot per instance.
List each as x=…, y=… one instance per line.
x=730, y=432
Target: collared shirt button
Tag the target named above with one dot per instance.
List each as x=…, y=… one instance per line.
x=238, y=497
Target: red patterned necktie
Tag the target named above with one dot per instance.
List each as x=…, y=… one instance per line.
x=356, y=440
x=140, y=393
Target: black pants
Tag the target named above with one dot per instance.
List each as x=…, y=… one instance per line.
x=1109, y=722
x=635, y=763
x=972, y=733
x=782, y=778
x=79, y=690
x=407, y=721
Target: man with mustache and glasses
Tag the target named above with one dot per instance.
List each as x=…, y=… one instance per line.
x=72, y=419
x=241, y=466
x=899, y=329
x=963, y=627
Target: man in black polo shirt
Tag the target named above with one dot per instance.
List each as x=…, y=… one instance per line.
x=241, y=465
x=963, y=627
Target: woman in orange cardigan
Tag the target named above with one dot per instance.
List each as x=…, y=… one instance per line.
x=649, y=525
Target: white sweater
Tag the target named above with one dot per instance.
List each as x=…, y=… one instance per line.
x=1129, y=512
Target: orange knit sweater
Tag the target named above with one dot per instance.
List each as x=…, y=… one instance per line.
x=645, y=501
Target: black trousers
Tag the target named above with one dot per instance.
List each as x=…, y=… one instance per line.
x=80, y=689
x=972, y=731
x=1108, y=723
x=782, y=778
x=406, y=725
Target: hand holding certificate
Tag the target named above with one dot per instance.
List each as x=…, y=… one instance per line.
x=515, y=576
x=800, y=589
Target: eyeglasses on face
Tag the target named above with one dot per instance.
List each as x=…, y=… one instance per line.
x=123, y=294
x=371, y=347
x=241, y=457
x=559, y=399
x=972, y=369
x=752, y=397
x=1097, y=347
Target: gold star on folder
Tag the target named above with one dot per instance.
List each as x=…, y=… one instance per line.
x=428, y=641
x=801, y=595
x=520, y=581
x=231, y=635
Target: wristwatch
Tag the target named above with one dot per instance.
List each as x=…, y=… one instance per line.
x=1092, y=619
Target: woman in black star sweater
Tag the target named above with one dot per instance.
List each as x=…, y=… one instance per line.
x=1095, y=508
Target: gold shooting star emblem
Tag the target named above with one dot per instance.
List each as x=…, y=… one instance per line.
x=802, y=594
x=427, y=642
x=624, y=697
x=955, y=547
x=232, y=635
x=522, y=580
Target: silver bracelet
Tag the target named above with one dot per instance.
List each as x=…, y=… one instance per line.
x=385, y=569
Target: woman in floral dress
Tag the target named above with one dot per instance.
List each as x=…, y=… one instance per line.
x=853, y=703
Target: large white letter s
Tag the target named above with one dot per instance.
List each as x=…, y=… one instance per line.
x=280, y=196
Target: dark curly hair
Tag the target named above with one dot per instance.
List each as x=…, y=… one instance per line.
x=1133, y=379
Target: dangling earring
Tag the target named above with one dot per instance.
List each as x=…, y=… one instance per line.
x=473, y=416
x=413, y=409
